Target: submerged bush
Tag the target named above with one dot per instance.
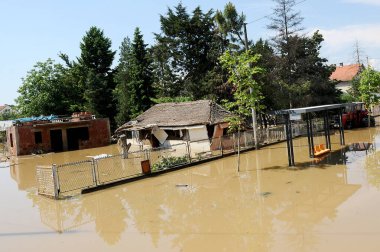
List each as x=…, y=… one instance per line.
x=167, y=162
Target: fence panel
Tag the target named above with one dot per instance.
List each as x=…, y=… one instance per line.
x=228, y=143
x=113, y=168
x=45, y=180
x=204, y=149
x=76, y=176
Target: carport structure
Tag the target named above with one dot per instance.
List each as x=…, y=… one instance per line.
x=321, y=111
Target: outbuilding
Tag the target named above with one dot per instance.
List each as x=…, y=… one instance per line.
x=167, y=124
x=53, y=134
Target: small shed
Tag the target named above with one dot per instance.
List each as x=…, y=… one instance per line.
x=166, y=124
x=52, y=133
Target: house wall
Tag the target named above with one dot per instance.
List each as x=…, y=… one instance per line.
x=344, y=86
x=24, y=136
x=197, y=134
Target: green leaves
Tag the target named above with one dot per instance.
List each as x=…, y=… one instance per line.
x=134, y=79
x=242, y=73
x=43, y=90
x=369, y=85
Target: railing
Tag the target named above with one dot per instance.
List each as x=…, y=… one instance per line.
x=68, y=179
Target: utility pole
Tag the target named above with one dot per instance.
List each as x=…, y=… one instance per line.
x=254, y=126
x=357, y=51
x=369, y=89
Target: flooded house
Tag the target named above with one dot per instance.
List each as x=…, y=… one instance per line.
x=167, y=124
x=54, y=134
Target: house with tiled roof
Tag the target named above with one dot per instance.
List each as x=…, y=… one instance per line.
x=344, y=75
x=168, y=124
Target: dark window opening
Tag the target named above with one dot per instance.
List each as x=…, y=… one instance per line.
x=210, y=130
x=174, y=134
x=11, y=138
x=225, y=131
x=37, y=137
x=75, y=135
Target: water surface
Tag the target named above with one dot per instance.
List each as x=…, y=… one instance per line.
x=327, y=204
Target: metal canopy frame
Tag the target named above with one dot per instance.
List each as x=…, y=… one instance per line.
x=324, y=110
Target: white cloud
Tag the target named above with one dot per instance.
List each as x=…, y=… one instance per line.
x=339, y=44
x=370, y=2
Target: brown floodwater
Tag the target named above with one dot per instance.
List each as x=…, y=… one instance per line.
x=330, y=204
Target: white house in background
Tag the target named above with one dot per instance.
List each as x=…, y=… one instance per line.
x=345, y=75
x=168, y=124
x=5, y=109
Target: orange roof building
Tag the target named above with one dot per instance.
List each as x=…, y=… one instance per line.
x=344, y=75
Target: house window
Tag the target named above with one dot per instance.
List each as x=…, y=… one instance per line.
x=174, y=134
x=37, y=137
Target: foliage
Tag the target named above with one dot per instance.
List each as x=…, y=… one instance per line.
x=286, y=22
x=96, y=74
x=44, y=91
x=186, y=51
x=9, y=115
x=369, y=86
x=171, y=99
x=347, y=97
x=134, y=78
x=302, y=75
x=230, y=24
x=167, y=162
x=121, y=78
x=242, y=72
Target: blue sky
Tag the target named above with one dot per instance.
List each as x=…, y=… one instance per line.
x=33, y=31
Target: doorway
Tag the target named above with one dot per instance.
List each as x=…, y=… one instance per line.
x=75, y=135
x=56, y=140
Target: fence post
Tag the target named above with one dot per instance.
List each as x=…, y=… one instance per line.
x=188, y=150
x=94, y=164
x=56, y=181
x=221, y=145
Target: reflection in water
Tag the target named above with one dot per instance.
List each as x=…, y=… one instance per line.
x=212, y=207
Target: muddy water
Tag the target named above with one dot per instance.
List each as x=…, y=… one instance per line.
x=330, y=204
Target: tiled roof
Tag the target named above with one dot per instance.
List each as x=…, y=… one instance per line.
x=345, y=73
x=201, y=112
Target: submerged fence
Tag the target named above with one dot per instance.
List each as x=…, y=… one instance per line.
x=60, y=181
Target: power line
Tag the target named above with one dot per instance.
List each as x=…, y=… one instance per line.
x=266, y=16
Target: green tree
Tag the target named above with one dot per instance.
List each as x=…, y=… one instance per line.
x=286, y=23
x=134, y=78
x=97, y=77
x=44, y=91
x=242, y=73
x=230, y=25
x=187, y=50
x=369, y=86
x=122, y=77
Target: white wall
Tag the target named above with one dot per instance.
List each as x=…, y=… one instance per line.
x=198, y=133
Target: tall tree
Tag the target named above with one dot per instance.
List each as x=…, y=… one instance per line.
x=231, y=26
x=122, y=77
x=286, y=23
x=95, y=62
x=134, y=89
x=187, y=50
x=44, y=91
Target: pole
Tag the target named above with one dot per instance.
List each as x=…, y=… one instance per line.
x=254, y=126
x=369, y=90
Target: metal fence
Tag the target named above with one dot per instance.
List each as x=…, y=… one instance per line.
x=59, y=181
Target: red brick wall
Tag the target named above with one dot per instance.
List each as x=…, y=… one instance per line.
x=23, y=136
